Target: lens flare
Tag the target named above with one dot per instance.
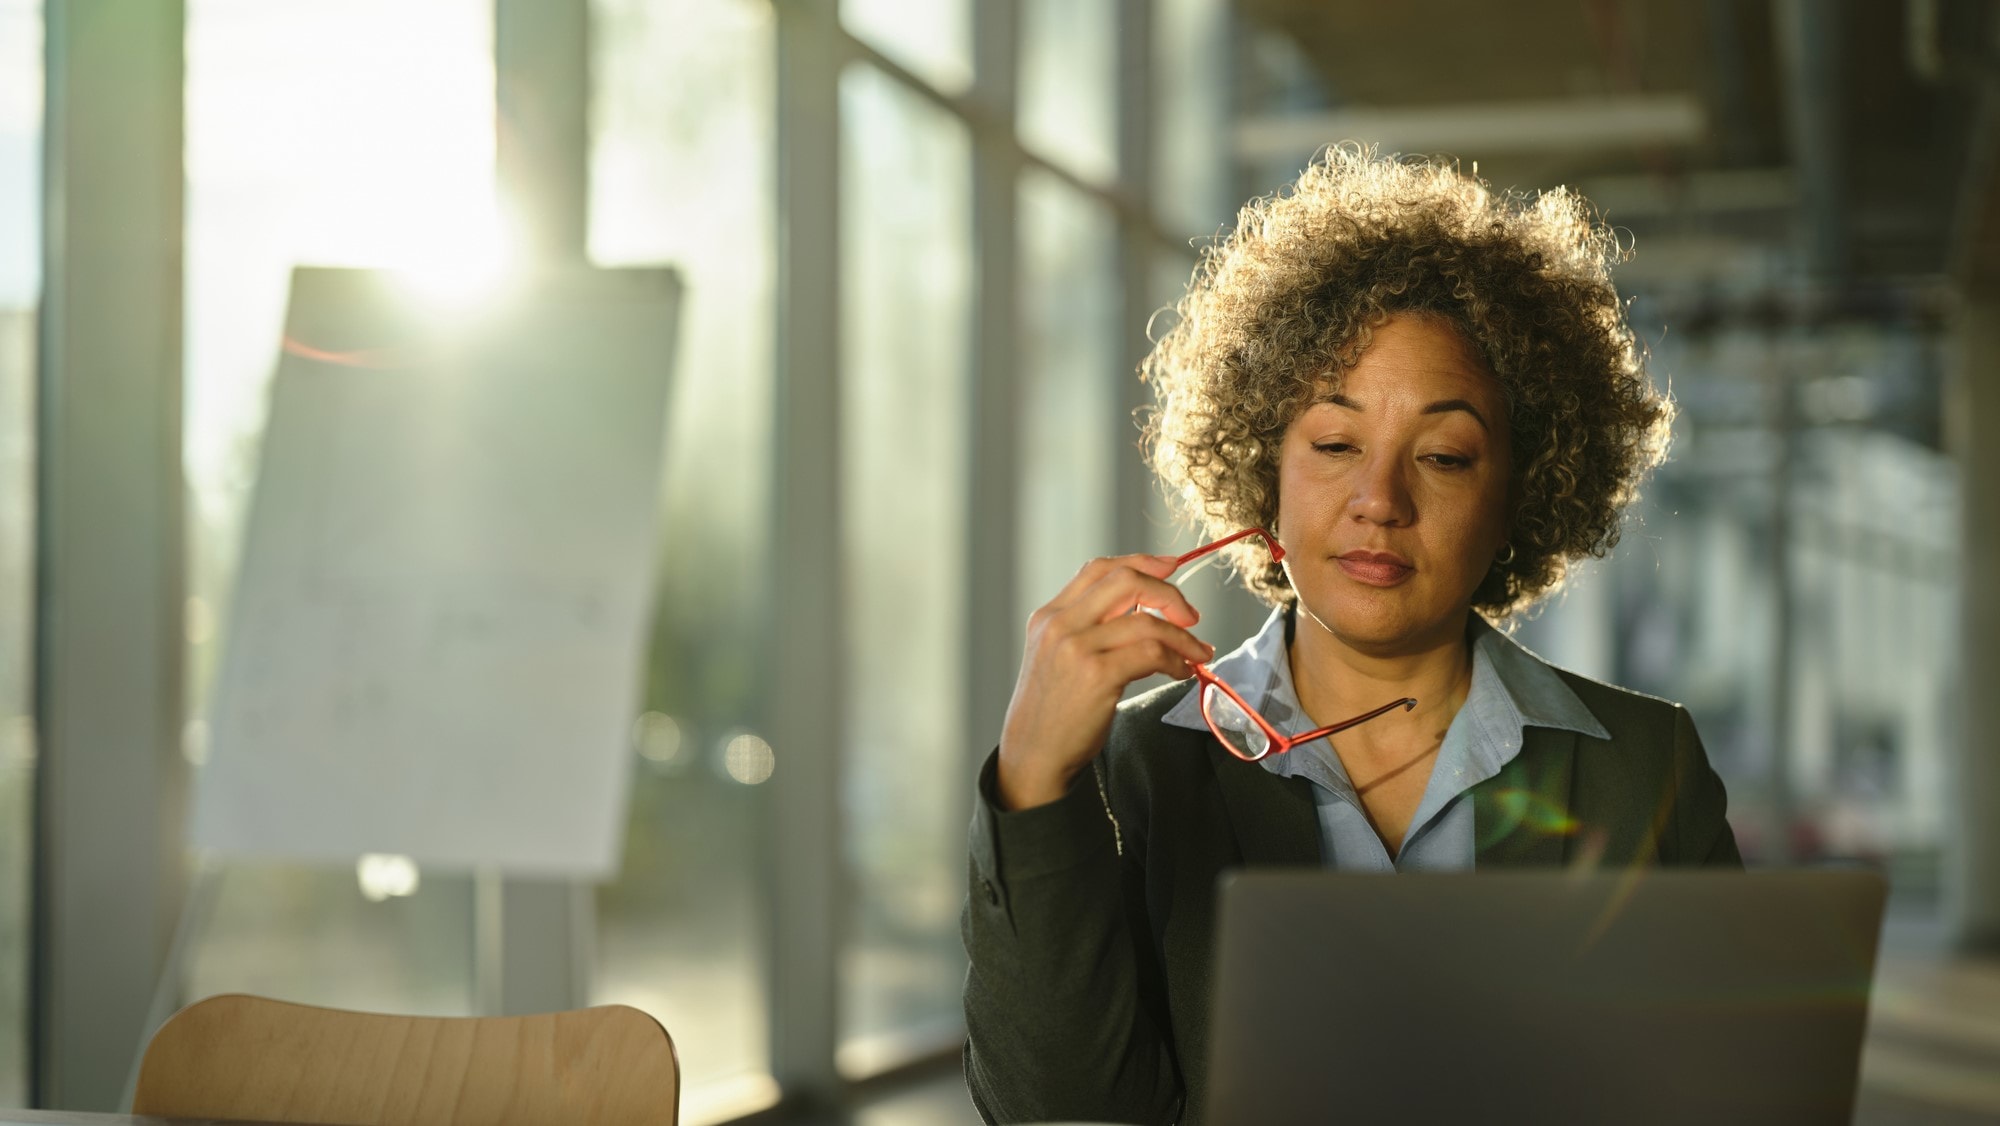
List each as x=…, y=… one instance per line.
x=1519, y=807
x=386, y=876
x=379, y=359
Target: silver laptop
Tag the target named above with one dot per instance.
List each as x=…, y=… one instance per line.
x=1550, y=997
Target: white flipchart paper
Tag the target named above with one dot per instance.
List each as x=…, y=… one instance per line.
x=436, y=642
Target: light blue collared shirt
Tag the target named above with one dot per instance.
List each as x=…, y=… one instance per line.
x=1511, y=691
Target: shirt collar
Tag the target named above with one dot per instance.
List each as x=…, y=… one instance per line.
x=1535, y=688
x=1507, y=680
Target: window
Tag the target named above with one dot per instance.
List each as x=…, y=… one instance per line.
x=315, y=138
x=1853, y=709
x=1069, y=84
x=1070, y=373
x=906, y=284
x=1191, y=160
x=681, y=174
x=933, y=38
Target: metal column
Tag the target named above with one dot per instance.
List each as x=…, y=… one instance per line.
x=541, y=71
x=1972, y=859
x=109, y=640
x=1137, y=248
x=994, y=622
x=807, y=878
x=534, y=938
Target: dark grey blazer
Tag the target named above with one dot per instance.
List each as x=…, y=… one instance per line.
x=1090, y=922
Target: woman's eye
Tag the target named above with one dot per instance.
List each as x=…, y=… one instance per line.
x=1332, y=447
x=1448, y=461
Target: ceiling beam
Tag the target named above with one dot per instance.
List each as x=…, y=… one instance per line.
x=1626, y=197
x=1477, y=128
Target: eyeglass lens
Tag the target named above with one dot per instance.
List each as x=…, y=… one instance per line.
x=1236, y=728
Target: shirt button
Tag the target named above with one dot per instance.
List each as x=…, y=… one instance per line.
x=992, y=893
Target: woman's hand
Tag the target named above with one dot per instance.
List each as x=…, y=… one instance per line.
x=1083, y=648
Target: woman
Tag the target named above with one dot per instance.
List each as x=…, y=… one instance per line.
x=1430, y=397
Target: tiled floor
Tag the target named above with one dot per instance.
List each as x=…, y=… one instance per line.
x=936, y=1102
x=1933, y=1050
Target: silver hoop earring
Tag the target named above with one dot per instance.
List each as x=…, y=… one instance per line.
x=1505, y=558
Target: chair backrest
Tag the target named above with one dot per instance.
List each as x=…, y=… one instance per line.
x=242, y=1057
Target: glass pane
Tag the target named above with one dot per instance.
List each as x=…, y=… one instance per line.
x=1191, y=141
x=1686, y=606
x=933, y=38
x=1069, y=84
x=1070, y=375
x=322, y=937
x=681, y=173
x=906, y=230
x=20, y=294
x=328, y=132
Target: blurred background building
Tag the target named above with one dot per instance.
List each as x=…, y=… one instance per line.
x=924, y=241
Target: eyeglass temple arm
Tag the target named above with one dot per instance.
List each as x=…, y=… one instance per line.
x=1277, y=553
x=1406, y=703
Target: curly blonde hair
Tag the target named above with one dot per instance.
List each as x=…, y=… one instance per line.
x=1284, y=306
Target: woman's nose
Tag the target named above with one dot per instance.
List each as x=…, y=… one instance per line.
x=1381, y=492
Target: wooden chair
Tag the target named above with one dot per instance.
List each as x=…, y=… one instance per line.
x=241, y=1057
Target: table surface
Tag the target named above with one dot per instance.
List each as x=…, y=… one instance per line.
x=84, y=1118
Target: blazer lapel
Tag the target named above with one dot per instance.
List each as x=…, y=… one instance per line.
x=1523, y=816
x=1273, y=817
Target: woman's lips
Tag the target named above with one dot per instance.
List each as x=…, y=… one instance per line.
x=1374, y=568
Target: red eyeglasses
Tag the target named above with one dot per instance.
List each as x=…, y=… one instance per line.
x=1243, y=732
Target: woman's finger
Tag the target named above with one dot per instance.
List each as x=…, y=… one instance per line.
x=1140, y=629
x=1140, y=659
x=1093, y=572
x=1123, y=590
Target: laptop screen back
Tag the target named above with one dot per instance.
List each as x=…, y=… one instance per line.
x=1643, y=996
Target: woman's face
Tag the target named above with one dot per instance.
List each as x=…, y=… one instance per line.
x=1392, y=494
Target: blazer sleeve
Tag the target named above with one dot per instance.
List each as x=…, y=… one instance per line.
x=1057, y=1028
x=1701, y=824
